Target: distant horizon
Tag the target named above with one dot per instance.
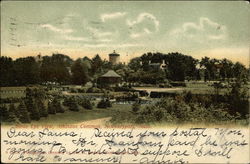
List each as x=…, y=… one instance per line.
x=122, y=59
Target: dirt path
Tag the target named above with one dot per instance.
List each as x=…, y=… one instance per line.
x=99, y=122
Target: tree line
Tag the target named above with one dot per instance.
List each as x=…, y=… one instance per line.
x=62, y=69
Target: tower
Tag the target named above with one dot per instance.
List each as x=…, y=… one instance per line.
x=114, y=58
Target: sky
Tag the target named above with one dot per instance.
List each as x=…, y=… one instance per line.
x=217, y=29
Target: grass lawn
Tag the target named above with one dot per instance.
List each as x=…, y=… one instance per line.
x=70, y=117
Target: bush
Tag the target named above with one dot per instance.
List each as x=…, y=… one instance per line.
x=94, y=90
x=238, y=98
x=104, y=104
x=136, y=107
x=12, y=113
x=58, y=106
x=4, y=115
x=73, y=106
x=169, y=110
x=42, y=109
x=86, y=103
x=24, y=114
x=51, y=108
x=32, y=108
x=66, y=101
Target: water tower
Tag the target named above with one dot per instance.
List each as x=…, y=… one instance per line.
x=114, y=58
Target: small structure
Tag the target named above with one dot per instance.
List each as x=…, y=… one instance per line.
x=12, y=92
x=158, y=66
x=109, y=79
x=114, y=58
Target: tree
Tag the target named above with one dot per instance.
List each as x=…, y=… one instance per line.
x=97, y=64
x=31, y=104
x=240, y=72
x=4, y=113
x=6, y=71
x=24, y=115
x=55, y=68
x=26, y=71
x=12, y=115
x=32, y=108
x=80, y=72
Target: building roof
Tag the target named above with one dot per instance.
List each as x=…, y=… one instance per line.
x=114, y=54
x=111, y=73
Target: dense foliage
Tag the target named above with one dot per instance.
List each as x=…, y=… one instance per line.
x=62, y=69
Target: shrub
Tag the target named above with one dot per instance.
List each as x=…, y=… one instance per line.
x=66, y=101
x=238, y=98
x=42, y=109
x=4, y=115
x=24, y=114
x=94, y=90
x=136, y=107
x=86, y=103
x=169, y=110
x=51, y=108
x=104, y=104
x=32, y=108
x=73, y=104
x=12, y=115
x=58, y=106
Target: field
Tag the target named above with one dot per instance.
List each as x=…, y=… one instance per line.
x=71, y=117
x=195, y=88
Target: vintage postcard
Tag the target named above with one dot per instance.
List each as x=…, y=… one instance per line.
x=125, y=82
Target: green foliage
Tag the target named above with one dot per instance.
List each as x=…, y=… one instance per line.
x=26, y=71
x=86, y=103
x=94, y=90
x=32, y=108
x=57, y=105
x=24, y=114
x=79, y=71
x=72, y=104
x=42, y=109
x=104, y=103
x=51, y=108
x=238, y=98
x=55, y=68
x=12, y=113
x=6, y=71
x=4, y=115
x=136, y=107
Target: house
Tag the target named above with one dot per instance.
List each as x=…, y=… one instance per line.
x=158, y=66
x=109, y=79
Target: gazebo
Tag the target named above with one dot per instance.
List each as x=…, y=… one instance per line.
x=109, y=79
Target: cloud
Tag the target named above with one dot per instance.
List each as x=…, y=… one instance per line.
x=104, y=40
x=124, y=45
x=72, y=38
x=98, y=33
x=115, y=15
x=55, y=29
x=143, y=17
x=205, y=29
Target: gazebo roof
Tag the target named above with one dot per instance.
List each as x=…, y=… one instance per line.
x=111, y=73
